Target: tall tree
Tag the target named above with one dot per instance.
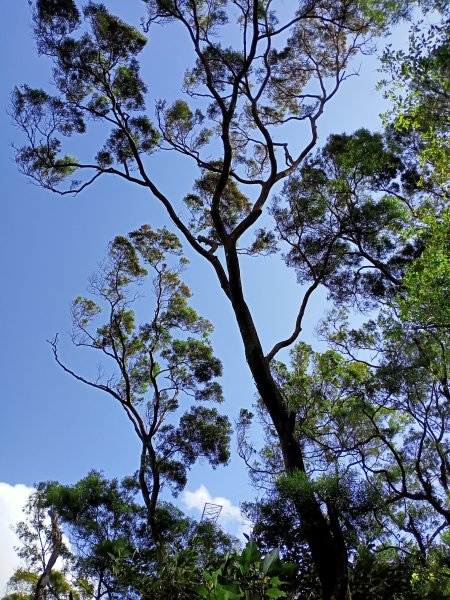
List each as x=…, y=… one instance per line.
x=232, y=122
x=367, y=216
x=156, y=365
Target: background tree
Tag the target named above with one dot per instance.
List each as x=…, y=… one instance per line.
x=372, y=413
x=44, y=553
x=109, y=550
x=154, y=370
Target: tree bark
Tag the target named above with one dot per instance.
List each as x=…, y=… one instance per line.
x=324, y=538
x=150, y=498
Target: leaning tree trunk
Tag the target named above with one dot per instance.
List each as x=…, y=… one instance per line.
x=324, y=538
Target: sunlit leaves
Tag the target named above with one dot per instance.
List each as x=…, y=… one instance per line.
x=128, y=88
x=114, y=37
x=233, y=205
x=344, y=217
x=419, y=91
x=154, y=245
x=157, y=362
x=43, y=116
x=182, y=127
x=427, y=281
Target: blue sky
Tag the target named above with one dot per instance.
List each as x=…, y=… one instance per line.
x=51, y=427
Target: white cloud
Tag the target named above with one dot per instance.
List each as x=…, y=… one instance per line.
x=230, y=517
x=12, y=501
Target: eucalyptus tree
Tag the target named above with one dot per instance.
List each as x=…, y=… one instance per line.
x=372, y=412
x=156, y=365
x=238, y=109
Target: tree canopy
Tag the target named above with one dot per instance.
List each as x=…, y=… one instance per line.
x=353, y=468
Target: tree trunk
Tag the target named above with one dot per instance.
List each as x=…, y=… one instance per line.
x=150, y=499
x=56, y=538
x=325, y=540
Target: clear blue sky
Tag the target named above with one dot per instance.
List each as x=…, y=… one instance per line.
x=51, y=427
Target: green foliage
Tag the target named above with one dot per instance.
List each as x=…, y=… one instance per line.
x=111, y=547
x=181, y=125
x=395, y=574
x=191, y=365
x=115, y=38
x=61, y=15
x=354, y=456
x=37, y=536
x=97, y=77
x=345, y=218
x=158, y=365
x=97, y=74
x=247, y=575
x=23, y=583
x=427, y=280
x=32, y=105
x=234, y=205
x=419, y=91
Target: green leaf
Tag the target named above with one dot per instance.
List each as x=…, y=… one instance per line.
x=275, y=593
x=251, y=553
x=269, y=560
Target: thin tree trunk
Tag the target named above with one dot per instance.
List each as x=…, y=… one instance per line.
x=56, y=538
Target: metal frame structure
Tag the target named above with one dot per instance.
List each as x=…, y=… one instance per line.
x=211, y=512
